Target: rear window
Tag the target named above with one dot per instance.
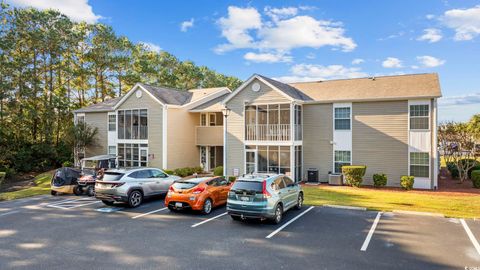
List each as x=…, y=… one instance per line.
x=247, y=186
x=111, y=176
x=184, y=185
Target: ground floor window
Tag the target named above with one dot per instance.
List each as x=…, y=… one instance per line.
x=112, y=150
x=419, y=164
x=267, y=159
x=298, y=163
x=341, y=158
x=132, y=155
x=211, y=157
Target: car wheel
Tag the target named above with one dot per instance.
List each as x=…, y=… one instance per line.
x=91, y=191
x=77, y=190
x=207, y=207
x=53, y=192
x=299, y=201
x=278, y=214
x=236, y=218
x=109, y=203
x=135, y=198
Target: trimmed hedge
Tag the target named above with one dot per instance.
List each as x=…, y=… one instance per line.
x=187, y=171
x=232, y=179
x=354, y=174
x=379, y=180
x=407, y=182
x=218, y=171
x=476, y=178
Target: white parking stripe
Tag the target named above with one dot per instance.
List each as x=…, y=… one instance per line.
x=80, y=205
x=8, y=213
x=470, y=235
x=288, y=223
x=370, y=233
x=64, y=201
x=210, y=219
x=148, y=213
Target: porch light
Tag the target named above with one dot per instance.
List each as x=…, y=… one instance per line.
x=226, y=112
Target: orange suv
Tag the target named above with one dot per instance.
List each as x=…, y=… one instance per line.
x=198, y=194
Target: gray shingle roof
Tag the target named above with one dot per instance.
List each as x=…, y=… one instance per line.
x=210, y=103
x=287, y=89
x=169, y=95
x=105, y=106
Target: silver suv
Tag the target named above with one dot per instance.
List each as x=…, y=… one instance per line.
x=132, y=185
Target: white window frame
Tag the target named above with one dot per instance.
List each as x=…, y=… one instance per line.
x=410, y=116
x=349, y=118
x=110, y=122
x=410, y=164
x=114, y=152
x=335, y=161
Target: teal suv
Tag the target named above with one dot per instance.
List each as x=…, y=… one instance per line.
x=264, y=197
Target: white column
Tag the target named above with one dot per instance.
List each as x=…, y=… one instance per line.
x=292, y=139
x=225, y=146
x=434, y=145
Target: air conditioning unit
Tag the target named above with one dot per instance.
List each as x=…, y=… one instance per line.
x=335, y=179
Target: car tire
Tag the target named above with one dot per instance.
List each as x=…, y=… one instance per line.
x=109, y=203
x=53, y=192
x=90, y=191
x=135, y=198
x=207, y=207
x=236, y=218
x=172, y=209
x=77, y=190
x=278, y=214
x=299, y=204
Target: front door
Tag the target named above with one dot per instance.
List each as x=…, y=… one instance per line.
x=250, y=161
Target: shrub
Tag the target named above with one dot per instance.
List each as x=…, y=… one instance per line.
x=476, y=178
x=183, y=172
x=169, y=172
x=197, y=170
x=452, y=168
x=67, y=164
x=218, y=171
x=379, y=180
x=354, y=174
x=476, y=168
x=2, y=177
x=407, y=182
x=232, y=179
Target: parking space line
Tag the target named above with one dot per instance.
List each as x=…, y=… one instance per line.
x=8, y=213
x=210, y=219
x=148, y=213
x=64, y=201
x=370, y=233
x=471, y=236
x=288, y=223
x=80, y=205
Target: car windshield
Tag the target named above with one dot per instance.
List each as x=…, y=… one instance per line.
x=184, y=185
x=247, y=186
x=112, y=176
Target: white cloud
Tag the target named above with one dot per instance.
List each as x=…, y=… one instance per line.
x=392, y=62
x=465, y=22
x=460, y=100
x=267, y=57
x=307, y=72
x=429, y=16
x=77, y=10
x=357, y=61
x=431, y=35
x=151, y=46
x=244, y=28
x=186, y=24
x=429, y=61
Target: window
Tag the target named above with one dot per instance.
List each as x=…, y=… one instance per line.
x=132, y=155
x=203, y=119
x=278, y=184
x=288, y=182
x=419, y=117
x=268, y=159
x=143, y=174
x=132, y=124
x=212, y=119
x=157, y=174
x=267, y=122
x=80, y=119
x=342, y=118
x=419, y=164
x=112, y=122
x=298, y=122
x=341, y=158
x=112, y=150
x=298, y=163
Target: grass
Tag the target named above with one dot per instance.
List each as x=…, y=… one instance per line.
x=42, y=186
x=451, y=205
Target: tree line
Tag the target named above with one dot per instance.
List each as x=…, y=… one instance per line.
x=50, y=65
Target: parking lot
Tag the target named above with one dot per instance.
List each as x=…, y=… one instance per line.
x=68, y=232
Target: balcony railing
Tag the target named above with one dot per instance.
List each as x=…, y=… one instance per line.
x=267, y=132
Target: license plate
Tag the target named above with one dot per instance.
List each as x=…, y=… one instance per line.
x=178, y=205
x=245, y=199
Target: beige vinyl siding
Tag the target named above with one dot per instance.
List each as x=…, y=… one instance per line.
x=98, y=120
x=317, y=135
x=155, y=119
x=236, y=124
x=209, y=136
x=380, y=139
x=182, y=151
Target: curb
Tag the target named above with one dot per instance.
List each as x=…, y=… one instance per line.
x=345, y=207
x=430, y=214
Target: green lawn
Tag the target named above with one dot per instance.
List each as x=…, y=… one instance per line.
x=42, y=186
x=460, y=206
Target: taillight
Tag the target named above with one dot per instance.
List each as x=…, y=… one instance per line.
x=198, y=190
x=265, y=192
x=171, y=189
x=119, y=184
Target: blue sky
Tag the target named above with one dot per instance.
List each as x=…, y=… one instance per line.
x=308, y=40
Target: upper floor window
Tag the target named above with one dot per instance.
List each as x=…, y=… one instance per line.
x=112, y=122
x=268, y=122
x=419, y=117
x=342, y=118
x=211, y=119
x=203, y=119
x=133, y=124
